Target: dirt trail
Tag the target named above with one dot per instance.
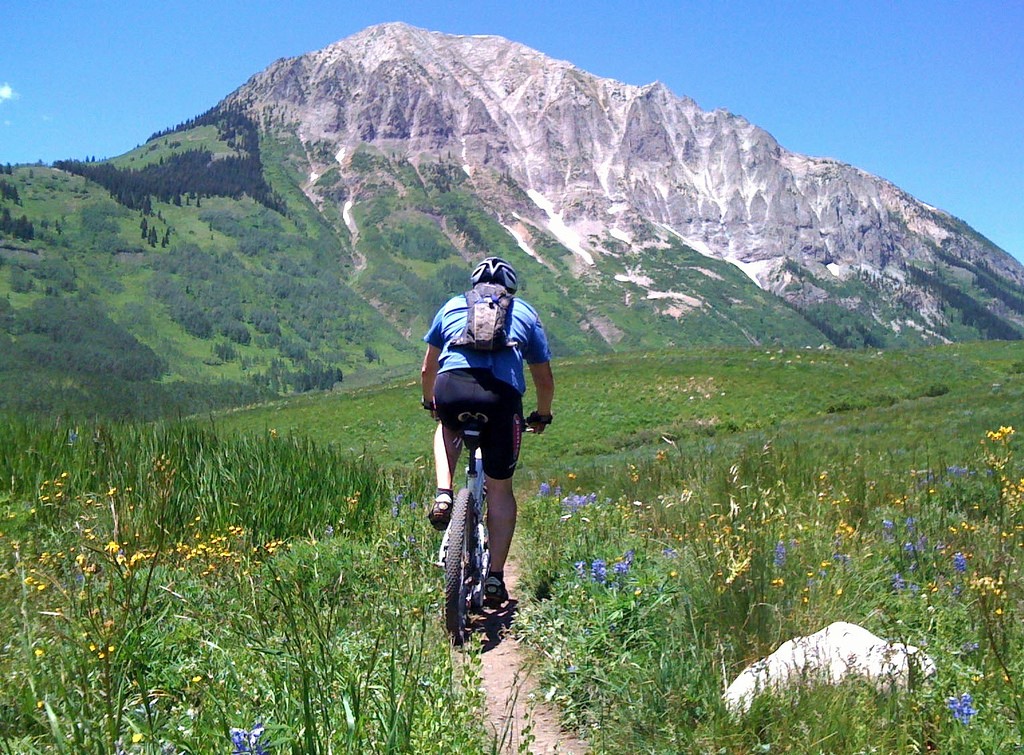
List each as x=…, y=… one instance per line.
x=518, y=714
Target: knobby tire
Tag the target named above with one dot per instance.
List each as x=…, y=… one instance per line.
x=456, y=568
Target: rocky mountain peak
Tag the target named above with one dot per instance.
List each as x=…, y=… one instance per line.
x=611, y=170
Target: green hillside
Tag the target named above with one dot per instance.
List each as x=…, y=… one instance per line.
x=212, y=300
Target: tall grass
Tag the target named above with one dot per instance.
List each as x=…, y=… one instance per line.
x=662, y=584
x=167, y=590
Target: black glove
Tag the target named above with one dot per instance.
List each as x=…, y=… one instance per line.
x=536, y=422
x=430, y=407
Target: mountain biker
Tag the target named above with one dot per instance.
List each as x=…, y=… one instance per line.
x=456, y=379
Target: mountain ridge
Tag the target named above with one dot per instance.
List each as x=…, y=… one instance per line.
x=717, y=181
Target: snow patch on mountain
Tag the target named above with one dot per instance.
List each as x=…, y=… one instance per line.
x=520, y=237
x=350, y=221
x=634, y=277
x=694, y=243
x=691, y=301
x=756, y=270
x=569, y=238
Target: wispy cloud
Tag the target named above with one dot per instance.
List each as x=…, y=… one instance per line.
x=6, y=92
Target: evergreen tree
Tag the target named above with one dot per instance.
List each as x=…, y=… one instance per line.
x=20, y=228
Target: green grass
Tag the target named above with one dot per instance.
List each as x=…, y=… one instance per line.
x=201, y=137
x=620, y=406
x=163, y=584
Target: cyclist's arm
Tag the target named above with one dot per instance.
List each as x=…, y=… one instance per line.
x=544, y=385
x=428, y=372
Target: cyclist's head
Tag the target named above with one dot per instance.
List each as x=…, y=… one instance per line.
x=495, y=270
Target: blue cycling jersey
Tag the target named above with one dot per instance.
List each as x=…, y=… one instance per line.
x=506, y=364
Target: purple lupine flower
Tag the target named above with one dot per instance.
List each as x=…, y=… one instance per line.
x=887, y=530
x=247, y=742
x=581, y=568
x=959, y=562
x=780, y=555
x=574, y=502
x=599, y=570
x=962, y=707
x=898, y=583
x=545, y=489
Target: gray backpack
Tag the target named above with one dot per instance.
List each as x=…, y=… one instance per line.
x=488, y=318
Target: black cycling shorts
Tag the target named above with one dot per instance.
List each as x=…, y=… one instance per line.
x=478, y=392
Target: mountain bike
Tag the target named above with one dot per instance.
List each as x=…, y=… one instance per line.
x=464, y=553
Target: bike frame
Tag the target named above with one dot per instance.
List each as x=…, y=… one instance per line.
x=477, y=553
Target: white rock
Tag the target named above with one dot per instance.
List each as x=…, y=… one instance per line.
x=839, y=651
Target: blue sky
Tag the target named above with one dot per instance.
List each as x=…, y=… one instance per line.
x=929, y=95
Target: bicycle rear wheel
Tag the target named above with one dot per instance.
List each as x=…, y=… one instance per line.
x=456, y=568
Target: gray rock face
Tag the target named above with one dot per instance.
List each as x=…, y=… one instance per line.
x=606, y=160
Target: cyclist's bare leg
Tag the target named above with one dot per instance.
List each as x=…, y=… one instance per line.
x=446, y=455
x=501, y=520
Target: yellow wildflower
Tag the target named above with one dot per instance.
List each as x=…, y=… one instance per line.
x=1003, y=433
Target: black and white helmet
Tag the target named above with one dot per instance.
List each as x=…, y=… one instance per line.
x=495, y=270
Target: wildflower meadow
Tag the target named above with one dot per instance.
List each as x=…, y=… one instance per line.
x=657, y=596
x=169, y=591
x=263, y=581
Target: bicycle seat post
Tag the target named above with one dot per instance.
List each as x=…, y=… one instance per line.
x=471, y=437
